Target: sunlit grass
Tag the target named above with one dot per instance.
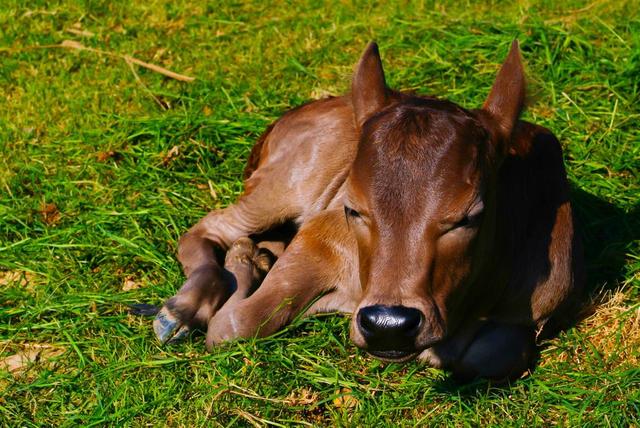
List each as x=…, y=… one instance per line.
x=97, y=182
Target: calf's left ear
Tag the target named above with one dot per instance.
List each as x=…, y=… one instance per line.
x=506, y=99
x=368, y=87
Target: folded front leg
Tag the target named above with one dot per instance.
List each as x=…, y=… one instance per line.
x=208, y=285
x=321, y=258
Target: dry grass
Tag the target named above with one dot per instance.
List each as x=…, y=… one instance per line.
x=613, y=331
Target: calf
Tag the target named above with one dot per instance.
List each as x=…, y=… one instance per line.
x=447, y=233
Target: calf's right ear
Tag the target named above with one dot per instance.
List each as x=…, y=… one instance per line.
x=369, y=93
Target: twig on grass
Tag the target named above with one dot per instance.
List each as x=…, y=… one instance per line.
x=158, y=69
x=72, y=44
x=128, y=59
x=79, y=32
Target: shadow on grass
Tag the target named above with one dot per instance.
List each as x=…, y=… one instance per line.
x=607, y=231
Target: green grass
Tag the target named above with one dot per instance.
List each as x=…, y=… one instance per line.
x=77, y=130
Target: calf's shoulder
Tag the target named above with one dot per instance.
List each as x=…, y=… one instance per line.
x=537, y=228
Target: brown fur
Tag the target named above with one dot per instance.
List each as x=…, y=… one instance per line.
x=258, y=151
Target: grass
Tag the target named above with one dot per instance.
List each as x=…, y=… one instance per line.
x=101, y=173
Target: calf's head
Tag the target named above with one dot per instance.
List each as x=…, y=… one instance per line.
x=421, y=203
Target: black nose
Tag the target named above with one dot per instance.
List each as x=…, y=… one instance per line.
x=389, y=328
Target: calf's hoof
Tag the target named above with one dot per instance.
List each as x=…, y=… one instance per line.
x=192, y=307
x=168, y=327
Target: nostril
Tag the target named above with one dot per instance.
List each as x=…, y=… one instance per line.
x=389, y=321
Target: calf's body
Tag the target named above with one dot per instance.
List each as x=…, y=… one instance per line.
x=447, y=233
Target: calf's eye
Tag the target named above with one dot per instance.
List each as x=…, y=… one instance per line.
x=350, y=212
x=462, y=223
x=468, y=221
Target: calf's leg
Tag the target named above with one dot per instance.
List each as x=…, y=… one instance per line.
x=246, y=265
x=208, y=284
x=319, y=260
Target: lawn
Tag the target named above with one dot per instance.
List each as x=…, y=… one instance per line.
x=105, y=163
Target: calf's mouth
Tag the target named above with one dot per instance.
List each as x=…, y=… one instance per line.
x=394, y=356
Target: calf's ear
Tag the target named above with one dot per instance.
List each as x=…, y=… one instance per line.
x=507, y=96
x=369, y=91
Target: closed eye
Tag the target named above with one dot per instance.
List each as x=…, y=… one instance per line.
x=350, y=212
x=468, y=221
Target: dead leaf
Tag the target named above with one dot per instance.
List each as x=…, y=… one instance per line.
x=212, y=192
x=302, y=397
x=49, y=213
x=345, y=399
x=19, y=362
x=171, y=155
x=16, y=277
x=118, y=28
x=129, y=284
x=72, y=44
x=110, y=154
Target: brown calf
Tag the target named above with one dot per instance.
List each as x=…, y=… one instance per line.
x=446, y=232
